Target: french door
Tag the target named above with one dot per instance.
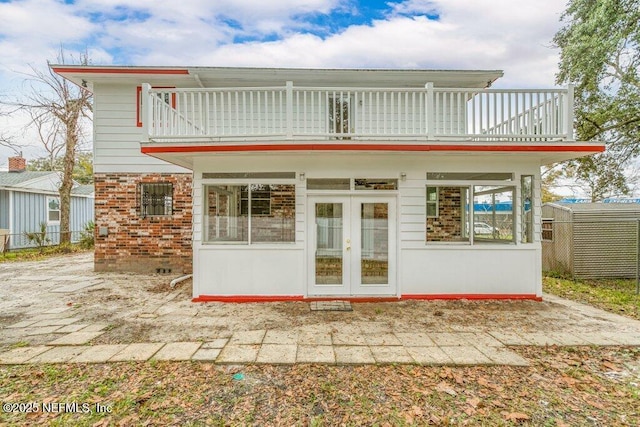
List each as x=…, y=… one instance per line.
x=352, y=246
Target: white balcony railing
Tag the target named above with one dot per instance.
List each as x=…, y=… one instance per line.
x=307, y=113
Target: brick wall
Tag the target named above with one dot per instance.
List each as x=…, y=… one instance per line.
x=136, y=243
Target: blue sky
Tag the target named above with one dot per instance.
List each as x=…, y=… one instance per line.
x=512, y=35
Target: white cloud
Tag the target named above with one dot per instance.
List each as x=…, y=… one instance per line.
x=33, y=30
x=481, y=34
x=513, y=35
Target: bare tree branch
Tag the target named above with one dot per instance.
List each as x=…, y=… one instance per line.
x=56, y=108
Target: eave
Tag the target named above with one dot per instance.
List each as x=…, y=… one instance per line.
x=183, y=154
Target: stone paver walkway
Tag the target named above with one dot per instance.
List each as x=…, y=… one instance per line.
x=60, y=334
x=292, y=346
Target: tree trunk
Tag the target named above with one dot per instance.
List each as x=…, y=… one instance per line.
x=71, y=127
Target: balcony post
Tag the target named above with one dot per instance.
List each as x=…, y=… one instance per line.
x=569, y=118
x=146, y=113
x=289, y=109
x=431, y=116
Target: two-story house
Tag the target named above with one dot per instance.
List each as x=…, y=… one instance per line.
x=276, y=184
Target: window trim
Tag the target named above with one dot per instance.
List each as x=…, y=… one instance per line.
x=49, y=210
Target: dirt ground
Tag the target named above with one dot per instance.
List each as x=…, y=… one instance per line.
x=143, y=308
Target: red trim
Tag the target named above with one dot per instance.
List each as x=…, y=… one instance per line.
x=471, y=296
x=93, y=70
x=139, y=101
x=368, y=147
x=247, y=298
x=279, y=298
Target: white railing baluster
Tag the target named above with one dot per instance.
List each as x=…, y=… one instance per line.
x=395, y=113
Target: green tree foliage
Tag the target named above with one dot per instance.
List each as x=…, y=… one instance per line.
x=600, y=54
x=82, y=170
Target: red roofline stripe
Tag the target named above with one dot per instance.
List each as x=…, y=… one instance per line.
x=369, y=147
x=93, y=70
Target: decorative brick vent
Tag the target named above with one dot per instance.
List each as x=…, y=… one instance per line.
x=137, y=243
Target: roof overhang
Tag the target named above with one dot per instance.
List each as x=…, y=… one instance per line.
x=183, y=154
x=87, y=76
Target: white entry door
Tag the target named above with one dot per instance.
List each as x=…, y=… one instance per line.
x=352, y=246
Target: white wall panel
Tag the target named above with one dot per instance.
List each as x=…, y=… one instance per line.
x=448, y=270
x=226, y=270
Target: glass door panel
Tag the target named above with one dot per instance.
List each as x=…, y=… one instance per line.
x=329, y=236
x=374, y=241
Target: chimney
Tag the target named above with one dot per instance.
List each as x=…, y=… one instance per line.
x=17, y=164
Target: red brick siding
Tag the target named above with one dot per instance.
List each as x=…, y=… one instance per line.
x=142, y=244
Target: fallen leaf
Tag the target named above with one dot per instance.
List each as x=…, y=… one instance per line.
x=474, y=401
x=595, y=404
x=445, y=388
x=516, y=416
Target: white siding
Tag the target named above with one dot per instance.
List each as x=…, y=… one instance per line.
x=116, y=135
x=423, y=269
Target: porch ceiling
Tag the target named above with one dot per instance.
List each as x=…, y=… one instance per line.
x=183, y=154
x=253, y=77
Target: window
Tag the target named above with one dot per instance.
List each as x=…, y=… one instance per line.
x=526, y=185
x=470, y=176
x=375, y=184
x=493, y=214
x=447, y=214
x=250, y=213
x=260, y=200
x=156, y=199
x=328, y=184
x=432, y=202
x=478, y=212
x=53, y=210
x=547, y=229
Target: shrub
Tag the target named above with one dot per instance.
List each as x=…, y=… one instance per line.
x=40, y=238
x=87, y=237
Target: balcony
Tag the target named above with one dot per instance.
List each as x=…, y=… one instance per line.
x=290, y=113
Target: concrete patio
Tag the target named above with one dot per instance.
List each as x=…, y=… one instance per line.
x=47, y=325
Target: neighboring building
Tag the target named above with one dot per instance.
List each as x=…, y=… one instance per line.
x=28, y=199
x=591, y=240
x=300, y=183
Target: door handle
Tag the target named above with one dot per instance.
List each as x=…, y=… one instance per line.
x=348, y=244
